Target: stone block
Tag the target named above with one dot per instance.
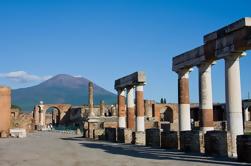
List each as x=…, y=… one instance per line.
x=4, y=134
x=216, y=143
x=99, y=134
x=169, y=140
x=244, y=148
x=191, y=141
x=140, y=138
x=18, y=133
x=125, y=136
x=111, y=134
x=153, y=137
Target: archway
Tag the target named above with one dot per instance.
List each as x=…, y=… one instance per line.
x=166, y=115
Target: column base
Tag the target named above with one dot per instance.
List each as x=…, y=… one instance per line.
x=140, y=138
x=125, y=136
x=206, y=129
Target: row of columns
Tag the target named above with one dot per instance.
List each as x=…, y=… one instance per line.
x=126, y=111
x=233, y=97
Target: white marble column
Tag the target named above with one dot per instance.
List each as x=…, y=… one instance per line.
x=233, y=98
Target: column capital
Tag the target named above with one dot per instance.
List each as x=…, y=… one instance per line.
x=121, y=92
x=234, y=55
x=184, y=73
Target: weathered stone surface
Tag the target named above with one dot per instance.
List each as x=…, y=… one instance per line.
x=111, y=134
x=125, y=136
x=234, y=38
x=217, y=143
x=5, y=110
x=18, y=133
x=140, y=138
x=244, y=148
x=153, y=137
x=169, y=140
x=130, y=80
x=4, y=134
x=99, y=134
x=191, y=141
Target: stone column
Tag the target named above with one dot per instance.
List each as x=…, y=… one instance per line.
x=5, y=111
x=233, y=98
x=91, y=103
x=36, y=115
x=246, y=115
x=130, y=108
x=102, y=108
x=184, y=101
x=122, y=108
x=205, y=96
x=42, y=117
x=140, y=108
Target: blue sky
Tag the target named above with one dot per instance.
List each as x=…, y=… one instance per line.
x=103, y=40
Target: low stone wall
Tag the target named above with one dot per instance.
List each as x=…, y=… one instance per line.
x=217, y=143
x=111, y=134
x=244, y=148
x=169, y=140
x=99, y=134
x=125, y=136
x=192, y=141
x=153, y=137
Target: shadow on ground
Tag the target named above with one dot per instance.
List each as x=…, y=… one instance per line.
x=152, y=153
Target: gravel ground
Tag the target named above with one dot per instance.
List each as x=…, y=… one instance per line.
x=60, y=149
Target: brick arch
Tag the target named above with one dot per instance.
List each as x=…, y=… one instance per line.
x=168, y=112
x=62, y=108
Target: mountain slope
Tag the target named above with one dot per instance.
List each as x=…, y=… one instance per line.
x=60, y=89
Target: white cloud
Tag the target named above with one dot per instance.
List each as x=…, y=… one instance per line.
x=23, y=77
x=78, y=76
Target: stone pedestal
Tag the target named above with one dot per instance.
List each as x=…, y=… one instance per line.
x=169, y=140
x=18, y=133
x=125, y=136
x=140, y=138
x=217, y=143
x=93, y=123
x=153, y=138
x=111, y=134
x=244, y=148
x=191, y=141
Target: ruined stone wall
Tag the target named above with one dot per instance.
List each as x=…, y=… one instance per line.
x=24, y=121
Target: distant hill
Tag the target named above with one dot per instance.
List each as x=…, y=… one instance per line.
x=60, y=89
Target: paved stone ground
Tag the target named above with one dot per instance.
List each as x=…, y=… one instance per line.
x=58, y=149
